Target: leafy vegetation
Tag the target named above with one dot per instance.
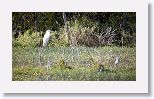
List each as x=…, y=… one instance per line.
x=106, y=28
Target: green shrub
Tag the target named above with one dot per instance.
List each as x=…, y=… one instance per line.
x=28, y=39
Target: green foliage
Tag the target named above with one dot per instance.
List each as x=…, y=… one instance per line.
x=28, y=73
x=37, y=21
x=84, y=28
x=28, y=39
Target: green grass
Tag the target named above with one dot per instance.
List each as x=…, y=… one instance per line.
x=73, y=64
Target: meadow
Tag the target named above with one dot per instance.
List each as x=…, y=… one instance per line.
x=73, y=64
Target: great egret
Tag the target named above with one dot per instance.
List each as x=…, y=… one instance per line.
x=116, y=61
x=46, y=38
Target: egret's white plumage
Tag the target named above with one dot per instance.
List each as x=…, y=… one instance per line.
x=116, y=60
x=46, y=38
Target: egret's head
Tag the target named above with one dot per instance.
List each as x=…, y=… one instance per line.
x=48, y=31
x=117, y=58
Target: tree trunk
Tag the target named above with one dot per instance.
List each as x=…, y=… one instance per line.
x=66, y=28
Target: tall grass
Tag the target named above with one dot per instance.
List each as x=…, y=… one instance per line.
x=73, y=63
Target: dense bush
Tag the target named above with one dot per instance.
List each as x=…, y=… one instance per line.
x=82, y=28
x=28, y=39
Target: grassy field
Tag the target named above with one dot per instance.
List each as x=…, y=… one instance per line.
x=73, y=64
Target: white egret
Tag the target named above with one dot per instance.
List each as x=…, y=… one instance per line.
x=116, y=61
x=46, y=38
